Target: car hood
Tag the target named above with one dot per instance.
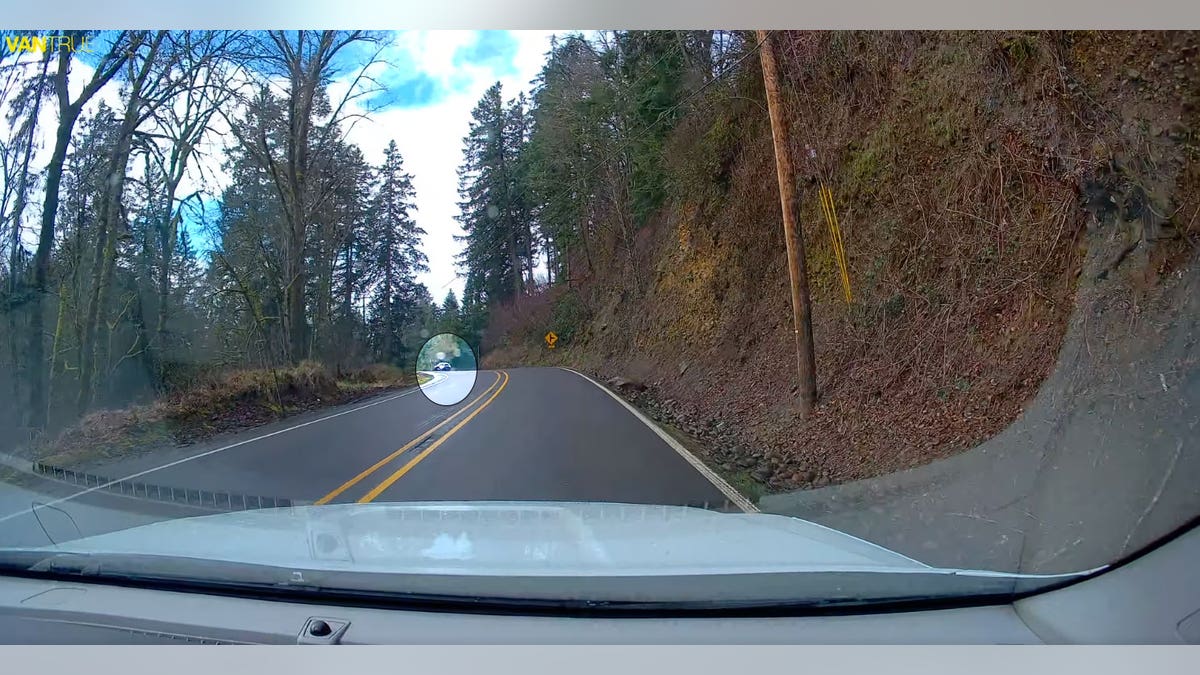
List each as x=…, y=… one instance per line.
x=617, y=557
x=505, y=538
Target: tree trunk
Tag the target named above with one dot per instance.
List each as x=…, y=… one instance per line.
x=58, y=326
x=167, y=235
x=104, y=335
x=38, y=400
x=529, y=250
x=585, y=229
x=322, y=328
x=385, y=342
x=149, y=362
x=166, y=243
x=515, y=261
x=347, y=305
x=92, y=347
x=23, y=185
x=706, y=60
x=297, y=324
x=348, y=289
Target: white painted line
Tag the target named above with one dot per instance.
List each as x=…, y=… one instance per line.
x=728, y=490
x=210, y=452
x=437, y=378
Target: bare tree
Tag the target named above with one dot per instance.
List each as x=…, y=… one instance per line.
x=202, y=68
x=68, y=112
x=17, y=156
x=305, y=61
x=144, y=75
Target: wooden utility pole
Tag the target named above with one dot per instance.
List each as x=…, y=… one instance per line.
x=793, y=236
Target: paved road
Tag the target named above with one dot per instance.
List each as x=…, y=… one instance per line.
x=449, y=388
x=523, y=434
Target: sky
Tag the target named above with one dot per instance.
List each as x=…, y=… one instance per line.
x=433, y=80
x=428, y=83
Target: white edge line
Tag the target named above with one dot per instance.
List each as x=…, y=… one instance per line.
x=437, y=378
x=728, y=490
x=209, y=452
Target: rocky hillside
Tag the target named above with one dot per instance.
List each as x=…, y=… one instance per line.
x=971, y=174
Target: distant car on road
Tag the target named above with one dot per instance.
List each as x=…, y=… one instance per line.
x=442, y=366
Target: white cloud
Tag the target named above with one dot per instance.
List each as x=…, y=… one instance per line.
x=430, y=138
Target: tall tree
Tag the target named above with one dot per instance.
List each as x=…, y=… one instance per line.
x=519, y=206
x=19, y=181
x=145, y=79
x=394, y=257
x=568, y=138
x=336, y=251
x=204, y=63
x=305, y=60
x=248, y=272
x=449, y=318
x=106, y=68
x=489, y=211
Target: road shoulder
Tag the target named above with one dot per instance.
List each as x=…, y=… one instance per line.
x=734, y=496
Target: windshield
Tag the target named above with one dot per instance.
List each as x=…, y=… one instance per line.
x=547, y=316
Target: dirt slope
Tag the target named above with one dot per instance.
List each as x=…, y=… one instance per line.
x=970, y=171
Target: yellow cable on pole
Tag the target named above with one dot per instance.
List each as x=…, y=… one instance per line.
x=829, y=223
x=835, y=236
x=841, y=247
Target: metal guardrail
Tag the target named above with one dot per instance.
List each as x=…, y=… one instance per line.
x=208, y=499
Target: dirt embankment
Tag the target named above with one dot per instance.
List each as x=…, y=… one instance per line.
x=971, y=173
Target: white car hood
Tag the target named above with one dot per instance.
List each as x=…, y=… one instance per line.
x=505, y=538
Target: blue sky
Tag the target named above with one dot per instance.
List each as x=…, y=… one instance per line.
x=406, y=83
x=496, y=49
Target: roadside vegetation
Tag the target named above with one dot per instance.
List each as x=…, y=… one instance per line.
x=219, y=403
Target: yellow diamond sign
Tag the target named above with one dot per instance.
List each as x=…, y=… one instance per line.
x=551, y=338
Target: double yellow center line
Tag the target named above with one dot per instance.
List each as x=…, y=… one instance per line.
x=494, y=390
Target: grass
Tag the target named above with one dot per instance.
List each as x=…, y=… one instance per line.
x=226, y=402
x=739, y=479
x=743, y=482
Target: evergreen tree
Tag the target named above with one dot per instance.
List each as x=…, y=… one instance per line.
x=394, y=258
x=489, y=211
x=449, y=317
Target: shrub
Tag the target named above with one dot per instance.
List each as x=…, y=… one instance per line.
x=569, y=315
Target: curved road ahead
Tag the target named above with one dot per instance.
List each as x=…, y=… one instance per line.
x=449, y=388
x=521, y=434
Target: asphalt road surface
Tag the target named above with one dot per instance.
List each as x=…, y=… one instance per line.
x=522, y=434
x=449, y=387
